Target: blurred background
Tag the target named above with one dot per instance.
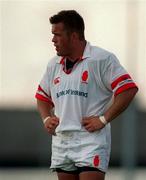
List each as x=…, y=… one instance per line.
x=25, y=49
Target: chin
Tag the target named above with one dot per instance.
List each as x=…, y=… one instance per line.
x=61, y=54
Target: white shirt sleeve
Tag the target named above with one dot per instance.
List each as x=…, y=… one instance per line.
x=43, y=93
x=115, y=77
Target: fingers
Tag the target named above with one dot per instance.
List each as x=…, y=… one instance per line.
x=92, y=123
x=89, y=128
x=86, y=120
x=51, y=125
x=51, y=131
x=54, y=122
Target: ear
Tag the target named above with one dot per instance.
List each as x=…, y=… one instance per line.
x=75, y=36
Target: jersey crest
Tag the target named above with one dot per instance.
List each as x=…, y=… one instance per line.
x=85, y=77
x=57, y=80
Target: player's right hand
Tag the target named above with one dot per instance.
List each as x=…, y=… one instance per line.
x=51, y=124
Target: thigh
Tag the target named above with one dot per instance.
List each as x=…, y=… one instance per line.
x=60, y=155
x=94, y=175
x=66, y=176
x=94, y=150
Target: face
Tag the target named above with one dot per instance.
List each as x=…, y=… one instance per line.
x=61, y=39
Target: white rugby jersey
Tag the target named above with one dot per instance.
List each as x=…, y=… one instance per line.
x=84, y=91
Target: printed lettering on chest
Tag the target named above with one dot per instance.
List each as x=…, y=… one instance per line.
x=74, y=84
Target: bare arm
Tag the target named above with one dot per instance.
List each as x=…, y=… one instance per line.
x=45, y=110
x=120, y=103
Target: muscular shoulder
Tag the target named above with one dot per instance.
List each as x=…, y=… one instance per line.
x=53, y=61
x=53, y=65
x=102, y=59
x=98, y=53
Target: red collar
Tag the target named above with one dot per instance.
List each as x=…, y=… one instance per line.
x=62, y=62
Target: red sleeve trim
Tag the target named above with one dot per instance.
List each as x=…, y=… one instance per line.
x=40, y=89
x=121, y=78
x=42, y=98
x=124, y=88
x=62, y=60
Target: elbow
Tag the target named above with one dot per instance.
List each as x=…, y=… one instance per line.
x=128, y=94
x=134, y=90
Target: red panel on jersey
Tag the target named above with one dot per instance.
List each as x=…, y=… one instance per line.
x=120, y=79
x=43, y=98
x=124, y=88
x=96, y=161
x=40, y=89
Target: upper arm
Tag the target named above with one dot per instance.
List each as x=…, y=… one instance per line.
x=43, y=92
x=115, y=77
x=127, y=95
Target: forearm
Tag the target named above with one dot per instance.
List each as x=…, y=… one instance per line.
x=120, y=103
x=49, y=119
x=44, y=108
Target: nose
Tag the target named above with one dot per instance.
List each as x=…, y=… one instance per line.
x=54, y=39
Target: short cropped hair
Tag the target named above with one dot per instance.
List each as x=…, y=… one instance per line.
x=72, y=21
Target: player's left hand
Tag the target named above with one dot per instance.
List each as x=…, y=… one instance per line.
x=92, y=123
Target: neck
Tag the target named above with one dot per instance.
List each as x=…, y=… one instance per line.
x=77, y=51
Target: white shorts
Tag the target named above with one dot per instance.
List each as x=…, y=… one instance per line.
x=81, y=149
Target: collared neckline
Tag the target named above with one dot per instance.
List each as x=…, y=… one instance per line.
x=86, y=54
